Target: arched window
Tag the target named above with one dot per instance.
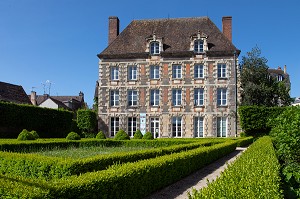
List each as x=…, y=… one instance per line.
x=154, y=48
x=198, y=46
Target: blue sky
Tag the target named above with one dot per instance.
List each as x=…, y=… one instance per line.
x=58, y=40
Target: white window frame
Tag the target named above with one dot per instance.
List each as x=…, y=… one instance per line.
x=131, y=126
x=199, y=46
x=198, y=96
x=177, y=126
x=132, y=97
x=198, y=71
x=176, y=97
x=198, y=126
x=176, y=71
x=114, y=126
x=222, y=70
x=114, y=73
x=154, y=48
x=154, y=72
x=114, y=98
x=221, y=127
x=222, y=97
x=279, y=78
x=132, y=72
x=154, y=97
x=154, y=121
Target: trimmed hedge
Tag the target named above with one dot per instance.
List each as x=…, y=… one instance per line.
x=48, y=122
x=37, y=166
x=255, y=174
x=257, y=120
x=245, y=141
x=36, y=145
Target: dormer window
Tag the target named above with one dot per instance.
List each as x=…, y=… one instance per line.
x=154, y=44
x=199, y=42
x=198, y=46
x=279, y=78
x=154, y=48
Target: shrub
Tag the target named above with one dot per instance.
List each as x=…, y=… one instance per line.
x=148, y=136
x=286, y=133
x=101, y=135
x=138, y=135
x=87, y=120
x=25, y=135
x=35, y=134
x=73, y=136
x=122, y=135
x=255, y=174
x=257, y=120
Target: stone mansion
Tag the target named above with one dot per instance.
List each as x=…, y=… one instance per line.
x=171, y=77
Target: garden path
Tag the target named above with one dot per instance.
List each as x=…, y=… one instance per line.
x=197, y=180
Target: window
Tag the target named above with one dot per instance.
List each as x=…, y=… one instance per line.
x=198, y=46
x=198, y=71
x=198, y=126
x=114, y=126
x=176, y=71
x=198, y=97
x=176, y=126
x=176, y=97
x=114, y=98
x=154, y=126
x=132, y=73
x=114, y=73
x=154, y=97
x=221, y=97
x=221, y=70
x=279, y=78
x=221, y=126
x=132, y=97
x=131, y=126
x=154, y=72
x=154, y=48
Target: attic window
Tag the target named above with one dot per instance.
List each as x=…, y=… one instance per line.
x=198, y=46
x=154, y=48
x=199, y=42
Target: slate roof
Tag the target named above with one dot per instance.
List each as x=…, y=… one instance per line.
x=13, y=93
x=176, y=34
x=41, y=98
x=276, y=72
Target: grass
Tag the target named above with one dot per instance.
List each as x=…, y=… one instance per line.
x=84, y=152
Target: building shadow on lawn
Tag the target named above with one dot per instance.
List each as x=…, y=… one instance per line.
x=180, y=187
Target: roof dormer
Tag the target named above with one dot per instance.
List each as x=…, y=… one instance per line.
x=199, y=42
x=154, y=44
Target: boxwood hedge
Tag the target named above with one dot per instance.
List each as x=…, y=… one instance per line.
x=255, y=174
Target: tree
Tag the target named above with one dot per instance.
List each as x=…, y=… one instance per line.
x=87, y=121
x=258, y=87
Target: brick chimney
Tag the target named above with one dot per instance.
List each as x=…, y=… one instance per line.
x=284, y=69
x=227, y=27
x=113, y=28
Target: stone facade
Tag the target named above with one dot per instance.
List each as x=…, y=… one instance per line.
x=166, y=119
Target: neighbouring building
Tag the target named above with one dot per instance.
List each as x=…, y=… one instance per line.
x=281, y=75
x=13, y=93
x=171, y=77
x=296, y=102
x=71, y=103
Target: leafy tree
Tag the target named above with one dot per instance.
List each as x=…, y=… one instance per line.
x=258, y=87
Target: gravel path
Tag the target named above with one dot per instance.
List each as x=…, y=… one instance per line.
x=196, y=180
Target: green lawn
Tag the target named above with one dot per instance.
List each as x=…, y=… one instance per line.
x=85, y=152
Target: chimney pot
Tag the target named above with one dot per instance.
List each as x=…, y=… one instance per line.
x=227, y=27
x=113, y=28
x=284, y=69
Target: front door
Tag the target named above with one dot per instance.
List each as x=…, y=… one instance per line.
x=154, y=126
